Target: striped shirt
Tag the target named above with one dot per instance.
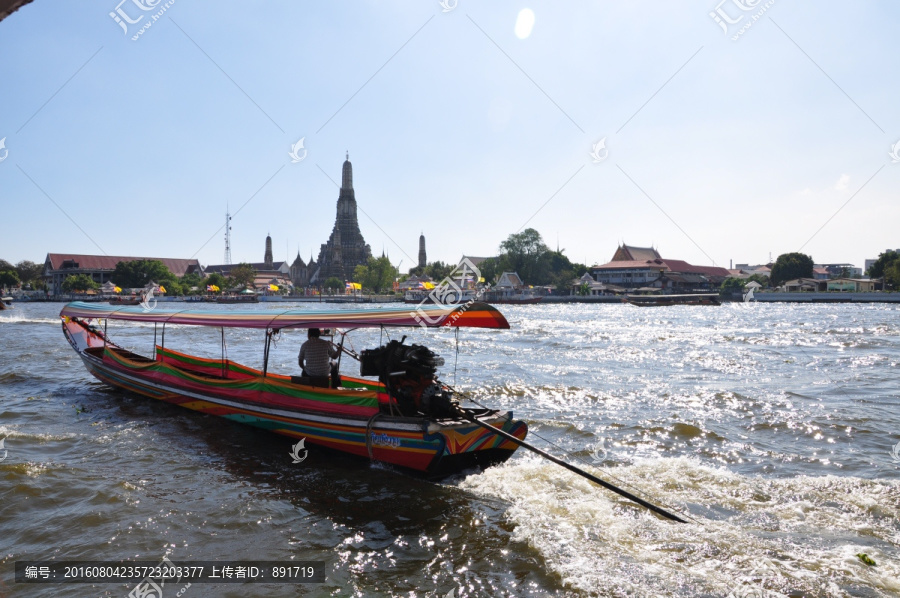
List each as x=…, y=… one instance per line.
x=316, y=352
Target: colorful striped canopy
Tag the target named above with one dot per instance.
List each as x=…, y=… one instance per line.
x=474, y=315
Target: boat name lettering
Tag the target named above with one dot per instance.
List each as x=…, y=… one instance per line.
x=385, y=440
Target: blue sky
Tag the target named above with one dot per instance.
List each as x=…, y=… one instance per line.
x=716, y=148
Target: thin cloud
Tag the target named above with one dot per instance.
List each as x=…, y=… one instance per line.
x=841, y=185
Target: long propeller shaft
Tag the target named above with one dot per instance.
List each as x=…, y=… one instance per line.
x=576, y=470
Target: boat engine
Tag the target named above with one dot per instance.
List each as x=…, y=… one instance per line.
x=408, y=372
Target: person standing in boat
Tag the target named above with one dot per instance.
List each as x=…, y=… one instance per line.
x=314, y=357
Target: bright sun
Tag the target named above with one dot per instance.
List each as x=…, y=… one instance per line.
x=524, y=23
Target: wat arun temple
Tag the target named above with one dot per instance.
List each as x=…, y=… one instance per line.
x=345, y=248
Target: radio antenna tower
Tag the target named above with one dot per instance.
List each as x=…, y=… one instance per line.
x=227, y=236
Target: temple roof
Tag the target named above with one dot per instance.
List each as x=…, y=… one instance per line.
x=629, y=253
x=666, y=265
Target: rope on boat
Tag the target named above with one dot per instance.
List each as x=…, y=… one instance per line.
x=369, y=425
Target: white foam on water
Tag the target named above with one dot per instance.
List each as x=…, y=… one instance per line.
x=14, y=433
x=19, y=318
x=773, y=537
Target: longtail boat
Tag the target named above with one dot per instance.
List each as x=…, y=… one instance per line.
x=401, y=415
x=661, y=300
x=124, y=300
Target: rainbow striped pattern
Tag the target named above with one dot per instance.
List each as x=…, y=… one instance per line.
x=474, y=315
x=348, y=419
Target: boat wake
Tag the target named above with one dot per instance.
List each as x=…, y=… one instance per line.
x=18, y=318
x=774, y=537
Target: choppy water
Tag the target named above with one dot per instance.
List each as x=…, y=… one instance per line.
x=771, y=425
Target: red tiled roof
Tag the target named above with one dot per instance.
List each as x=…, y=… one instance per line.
x=178, y=267
x=665, y=264
x=684, y=267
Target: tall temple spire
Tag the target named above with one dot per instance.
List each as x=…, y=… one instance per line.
x=422, y=257
x=268, y=259
x=345, y=248
x=347, y=175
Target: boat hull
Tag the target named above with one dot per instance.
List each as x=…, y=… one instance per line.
x=124, y=301
x=237, y=300
x=348, y=420
x=515, y=301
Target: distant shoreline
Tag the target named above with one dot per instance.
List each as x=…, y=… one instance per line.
x=763, y=297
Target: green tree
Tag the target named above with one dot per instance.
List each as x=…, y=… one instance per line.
x=560, y=271
x=9, y=278
x=191, y=280
x=79, y=283
x=216, y=279
x=524, y=253
x=378, y=274
x=556, y=261
x=490, y=269
x=242, y=275
x=892, y=275
x=438, y=271
x=173, y=287
x=882, y=264
x=360, y=272
x=762, y=279
x=334, y=284
x=137, y=273
x=4, y=265
x=29, y=271
x=733, y=284
x=789, y=266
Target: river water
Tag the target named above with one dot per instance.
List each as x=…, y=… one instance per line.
x=774, y=427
